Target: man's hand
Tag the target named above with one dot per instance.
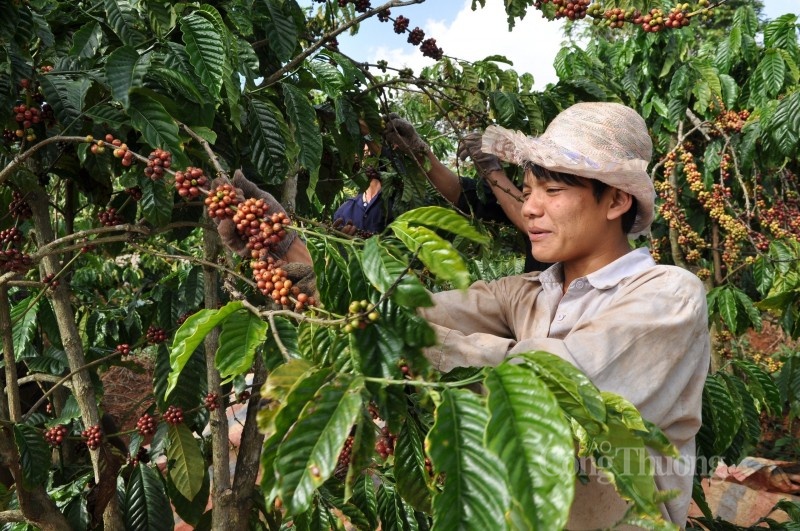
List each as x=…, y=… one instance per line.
x=400, y=134
x=345, y=228
x=246, y=189
x=485, y=163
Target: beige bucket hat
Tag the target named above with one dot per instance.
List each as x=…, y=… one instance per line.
x=600, y=140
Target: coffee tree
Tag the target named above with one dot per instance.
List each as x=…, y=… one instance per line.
x=124, y=125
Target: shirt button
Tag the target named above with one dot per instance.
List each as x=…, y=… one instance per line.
x=560, y=317
x=579, y=284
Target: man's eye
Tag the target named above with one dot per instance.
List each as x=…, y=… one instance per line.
x=553, y=190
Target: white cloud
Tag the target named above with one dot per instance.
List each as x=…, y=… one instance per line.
x=473, y=35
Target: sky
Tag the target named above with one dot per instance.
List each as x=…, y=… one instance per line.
x=472, y=35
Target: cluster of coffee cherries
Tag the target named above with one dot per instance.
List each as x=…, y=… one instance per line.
x=189, y=182
x=155, y=335
x=571, y=9
x=56, y=435
x=110, y=217
x=416, y=36
x=124, y=349
x=344, y=457
x=428, y=47
x=49, y=281
x=730, y=122
x=19, y=207
x=222, y=202
x=272, y=281
x=651, y=21
x=93, y=436
x=12, y=258
x=26, y=117
x=146, y=425
x=118, y=147
x=362, y=6
x=261, y=230
x=359, y=315
x=158, y=161
x=11, y=236
x=142, y=456
x=212, y=401
x=173, y=415
x=782, y=217
x=385, y=443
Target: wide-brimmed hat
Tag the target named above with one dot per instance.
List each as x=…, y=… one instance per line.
x=604, y=141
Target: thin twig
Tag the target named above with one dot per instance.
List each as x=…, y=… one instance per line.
x=60, y=382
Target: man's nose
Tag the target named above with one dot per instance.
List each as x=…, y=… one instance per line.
x=532, y=207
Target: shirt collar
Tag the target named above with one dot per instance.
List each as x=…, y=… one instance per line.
x=606, y=277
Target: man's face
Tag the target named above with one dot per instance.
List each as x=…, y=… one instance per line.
x=566, y=223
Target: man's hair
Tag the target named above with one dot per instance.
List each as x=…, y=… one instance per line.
x=598, y=187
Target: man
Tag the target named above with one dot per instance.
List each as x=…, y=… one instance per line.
x=633, y=327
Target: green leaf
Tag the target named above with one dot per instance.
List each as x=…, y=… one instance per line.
x=387, y=271
x=192, y=288
x=150, y=118
x=576, y=394
x=189, y=336
x=279, y=384
x=409, y=466
x=529, y=433
x=395, y=514
x=717, y=407
x=108, y=115
x=125, y=69
x=268, y=139
x=773, y=71
x=749, y=308
x=728, y=309
x=785, y=124
x=365, y=498
x=241, y=335
x=70, y=411
x=161, y=15
x=185, y=461
x=280, y=30
x=327, y=76
x=763, y=275
x=146, y=505
x=303, y=124
x=435, y=217
x=475, y=494
x=86, y=41
x=436, y=253
x=205, y=47
x=628, y=413
x=308, y=455
x=65, y=96
x=122, y=19
x=34, y=455
x=761, y=386
x=23, y=315
x=623, y=456
x=156, y=202
x=276, y=423
x=182, y=83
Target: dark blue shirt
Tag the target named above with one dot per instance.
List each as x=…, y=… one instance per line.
x=371, y=217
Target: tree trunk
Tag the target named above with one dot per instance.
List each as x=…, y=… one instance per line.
x=222, y=497
x=35, y=505
x=82, y=386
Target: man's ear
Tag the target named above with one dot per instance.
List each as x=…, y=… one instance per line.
x=619, y=203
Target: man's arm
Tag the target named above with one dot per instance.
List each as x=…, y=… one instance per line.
x=648, y=345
